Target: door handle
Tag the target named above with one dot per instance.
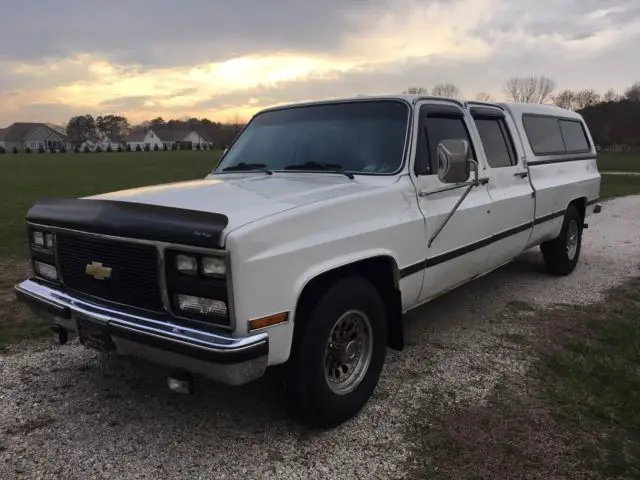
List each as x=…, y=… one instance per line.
x=521, y=174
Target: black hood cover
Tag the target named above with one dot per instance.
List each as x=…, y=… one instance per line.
x=132, y=220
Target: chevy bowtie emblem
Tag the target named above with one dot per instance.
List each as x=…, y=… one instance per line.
x=98, y=271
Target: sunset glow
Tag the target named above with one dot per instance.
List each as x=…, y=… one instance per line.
x=386, y=48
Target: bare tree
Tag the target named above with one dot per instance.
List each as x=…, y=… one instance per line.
x=633, y=92
x=446, y=90
x=484, y=97
x=565, y=99
x=417, y=91
x=577, y=100
x=531, y=89
x=612, y=96
x=586, y=98
x=237, y=124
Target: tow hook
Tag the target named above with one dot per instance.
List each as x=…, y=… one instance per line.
x=181, y=382
x=60, y=334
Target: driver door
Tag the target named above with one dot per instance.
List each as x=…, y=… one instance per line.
x=456, y=252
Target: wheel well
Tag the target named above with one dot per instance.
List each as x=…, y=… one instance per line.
x=382, y=272
x=581, y=205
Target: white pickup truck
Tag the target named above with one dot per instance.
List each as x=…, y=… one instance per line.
x=321, y=226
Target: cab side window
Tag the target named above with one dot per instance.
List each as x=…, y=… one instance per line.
x=496, y=142
x=434, y=129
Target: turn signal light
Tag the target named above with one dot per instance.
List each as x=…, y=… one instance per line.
x=269, y=321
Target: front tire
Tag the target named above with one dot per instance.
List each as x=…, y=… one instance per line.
x=338, y=353
x=562, y=253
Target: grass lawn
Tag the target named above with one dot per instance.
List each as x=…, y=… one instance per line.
x=573, y=414
x=619, y=185
x=596, y=377
x=26, y=178
x=619, y=162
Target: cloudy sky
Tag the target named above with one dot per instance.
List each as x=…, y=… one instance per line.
x=221, y=58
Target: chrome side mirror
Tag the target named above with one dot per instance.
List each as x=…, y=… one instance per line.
x=453, y=161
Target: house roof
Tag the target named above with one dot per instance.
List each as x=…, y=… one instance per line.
x=2, y=132
x=57, y=128
x=205, y=136
x=169, y=135
x=21, y=131
x=137, y=136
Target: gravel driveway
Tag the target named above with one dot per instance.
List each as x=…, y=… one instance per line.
x=67, y=413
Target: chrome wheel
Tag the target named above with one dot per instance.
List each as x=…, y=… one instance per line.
x=348, y=352
x=572, y=239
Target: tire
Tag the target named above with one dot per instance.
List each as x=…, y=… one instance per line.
x=562, y=253
x=321, y=394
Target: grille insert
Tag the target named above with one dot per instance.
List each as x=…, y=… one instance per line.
x=133, y=279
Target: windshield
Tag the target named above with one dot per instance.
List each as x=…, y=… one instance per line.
x=357, y=137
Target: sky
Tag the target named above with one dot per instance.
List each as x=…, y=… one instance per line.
x=224, y=59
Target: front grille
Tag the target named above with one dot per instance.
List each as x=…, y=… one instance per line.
x=134, y=270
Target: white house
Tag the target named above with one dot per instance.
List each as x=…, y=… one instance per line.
x=138, y=138
x=182, y=139
x=33, y=136
x=201, y=138
x=93, y=142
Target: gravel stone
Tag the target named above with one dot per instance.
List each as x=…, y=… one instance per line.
x=68, y=412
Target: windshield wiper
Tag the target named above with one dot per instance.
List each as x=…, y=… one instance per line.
x=248, y=167
x=320, y=167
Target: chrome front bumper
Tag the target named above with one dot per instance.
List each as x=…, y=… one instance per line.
x=218, y=356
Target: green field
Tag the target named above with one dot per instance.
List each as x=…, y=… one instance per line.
x=619, y=185
x=26, y=178
x=595, y=377
x=619, y=162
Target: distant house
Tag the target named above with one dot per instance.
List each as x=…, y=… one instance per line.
x=23, y=135
x=183, y=139
x=138, y=138
x=88, y=144
x=93, y=142
x=114, y=141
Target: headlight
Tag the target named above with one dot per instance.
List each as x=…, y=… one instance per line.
x=201, y=305
x=46, y=271
x=48, y=240
x=42, y=239
x=38, y=239
x=187, y=264
x=42, y=245
x=208, y=266
x=196, y=286
x=213, y=266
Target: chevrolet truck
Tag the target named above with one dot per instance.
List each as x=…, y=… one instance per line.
x=322, y=224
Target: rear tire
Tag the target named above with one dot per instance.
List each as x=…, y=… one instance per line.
x=562, y=253
x=338, y=352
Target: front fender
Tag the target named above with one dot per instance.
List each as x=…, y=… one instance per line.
x=314, y=271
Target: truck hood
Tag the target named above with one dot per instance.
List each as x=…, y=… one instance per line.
x=243, y=199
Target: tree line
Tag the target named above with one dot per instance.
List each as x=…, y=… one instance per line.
x=84, y=127
x=613, y=118
x=537, y=89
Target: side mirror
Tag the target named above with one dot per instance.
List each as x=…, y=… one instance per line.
x=453, y=161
